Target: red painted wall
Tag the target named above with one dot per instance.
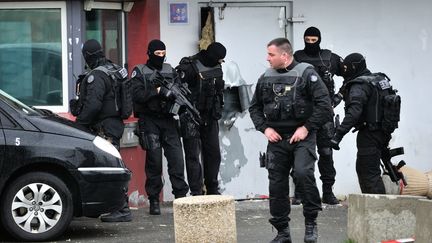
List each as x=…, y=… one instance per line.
x=143, y=25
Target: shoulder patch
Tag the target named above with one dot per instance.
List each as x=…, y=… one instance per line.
x=313, y=78
x=90, y=79
x=134, y=73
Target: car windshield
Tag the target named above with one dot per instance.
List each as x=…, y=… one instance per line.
x=16, y=104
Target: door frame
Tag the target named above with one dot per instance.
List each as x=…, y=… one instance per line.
x=113, y=6
x=288, y=5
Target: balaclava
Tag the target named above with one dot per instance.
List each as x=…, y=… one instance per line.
x=312, y=49
x=355, y=65
x=154, y=60
x=93, y=53
x=210, y=57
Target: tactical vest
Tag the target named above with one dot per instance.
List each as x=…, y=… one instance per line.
x=383, y=107
x=157, y=104
x=322, y=64
x=284, y=94
x=121, y=87
x=108, y=104
x=208, y=95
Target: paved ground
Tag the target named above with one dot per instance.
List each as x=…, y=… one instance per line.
x=252, y=226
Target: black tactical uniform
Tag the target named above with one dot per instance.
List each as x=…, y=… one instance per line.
x=203, y=74
x=371, y=137
x=284, y=100
x=97, y=110
x=157, y=127
x=327, y=64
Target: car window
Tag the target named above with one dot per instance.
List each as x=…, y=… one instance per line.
x=5, y=122
x=16, y=104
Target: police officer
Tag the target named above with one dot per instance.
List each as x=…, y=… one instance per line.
x=327, y=64
x=157, y=126
x=371, y=137
x=98, y=109
x=203, y=74
x=289, y=105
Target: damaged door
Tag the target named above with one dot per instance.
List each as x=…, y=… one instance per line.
x=245, y=29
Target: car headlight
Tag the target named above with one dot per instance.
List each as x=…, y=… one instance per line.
x=106, y=146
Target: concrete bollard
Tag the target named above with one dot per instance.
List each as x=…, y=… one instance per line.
x=205, y=219
x=423, y=231
x=374, y=218
x=429, y=176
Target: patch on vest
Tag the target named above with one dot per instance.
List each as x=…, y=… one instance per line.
x=90, y=79
x=133, y=74
x=314, y=78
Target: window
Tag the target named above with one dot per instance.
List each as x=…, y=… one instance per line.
x=104, y=25
x=31, y=53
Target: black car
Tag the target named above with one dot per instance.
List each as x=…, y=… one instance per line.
x=52, y=170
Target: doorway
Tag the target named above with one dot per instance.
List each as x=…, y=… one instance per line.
x=245, y=29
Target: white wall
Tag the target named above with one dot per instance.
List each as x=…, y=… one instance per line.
x=394, y=35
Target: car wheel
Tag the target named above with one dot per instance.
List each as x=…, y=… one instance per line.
x=37, y=206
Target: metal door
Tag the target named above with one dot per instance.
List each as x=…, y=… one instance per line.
x=245, y=29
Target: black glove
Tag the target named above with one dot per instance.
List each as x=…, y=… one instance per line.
x=166, y=93
x=337, y=98
x=334, y=142
x=75, y=106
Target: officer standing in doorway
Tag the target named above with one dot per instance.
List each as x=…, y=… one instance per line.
x=203, y=74
x=96, y=109
x=364, y=110
x=290, y=104
x=157, y=126
x=327, y=64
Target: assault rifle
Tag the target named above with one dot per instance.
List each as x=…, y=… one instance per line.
x=178, y=93
x=390, y=169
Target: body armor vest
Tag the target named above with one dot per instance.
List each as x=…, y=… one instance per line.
x=108, y=104
x=208, y=95
x=157, y=104
x=383, y=107
x=121, y=88
x=322, y=64
x=284, y=94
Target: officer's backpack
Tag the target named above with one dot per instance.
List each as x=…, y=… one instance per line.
x=121, y=86
x=384, y=105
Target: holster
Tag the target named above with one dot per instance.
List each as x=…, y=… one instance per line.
x=188, y=129
x=148, y=141
x=217, y=107
x=263, y=160
x=329, y=129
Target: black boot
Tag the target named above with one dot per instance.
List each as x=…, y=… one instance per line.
x=329, y=198
x=311, y=232
x=179, y=196
x=154, y=207
x=122, y=215
x=213, y=191
x=283, y=236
